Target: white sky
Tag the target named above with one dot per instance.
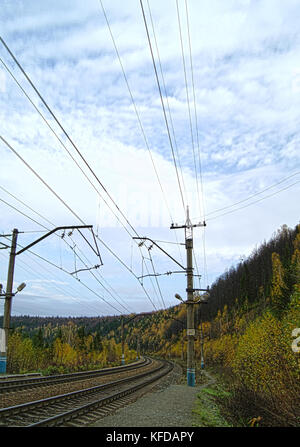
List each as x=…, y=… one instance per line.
x=246, y=72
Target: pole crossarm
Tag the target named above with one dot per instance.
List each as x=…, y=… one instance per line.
x=10, y=276
x=196, y=290
x=83, y=270
x=73, y=227
x=160, y=274
x=69, y=227
x=97, y=253
x=175, y=226
x=154, y=243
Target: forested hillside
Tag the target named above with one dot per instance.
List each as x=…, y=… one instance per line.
x=247, y=327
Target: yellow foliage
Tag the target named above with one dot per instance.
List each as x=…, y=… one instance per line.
x=260, y=359
x=260, y=353
x=64, y=354
x=22, y=356
x=221, y=351
x=278, y=286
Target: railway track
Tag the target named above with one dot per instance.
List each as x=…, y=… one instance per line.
x=12, y=385
x=82, y=407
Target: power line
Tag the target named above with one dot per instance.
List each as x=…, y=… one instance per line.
x=197, y=139
x=170, y=115
x=136, y=111
x=61, y=200
x=46, y=105
x=156, y=279
x=204, y=257
x=104, y=287
x=87, y=305
x=27, y=206
x=195, y=105
x=65, y=271
x=60, y=141
x=65, y=133
x=155, y=291
x=62, y=128
x=256, y=201
x=254, y=195
x=163, y=107
x=40, y=178
x=188, y=101
x=166, y=96
x=38, y=223
x=162, y=103
x=19, y=211
x=55, y=285
x=133, y=103
x=62, y=144
x=68, y=137
x=169, y=242
x=79, y=280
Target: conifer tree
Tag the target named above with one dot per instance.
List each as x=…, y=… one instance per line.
x=38, y=339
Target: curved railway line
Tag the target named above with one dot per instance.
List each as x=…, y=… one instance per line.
x=82, y=407
x=11, y=385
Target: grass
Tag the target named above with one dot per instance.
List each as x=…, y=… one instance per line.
x=211, y=406
x=208, y=407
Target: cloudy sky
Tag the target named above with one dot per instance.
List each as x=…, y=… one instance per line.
x=229, y=78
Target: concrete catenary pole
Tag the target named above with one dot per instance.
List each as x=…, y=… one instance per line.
x=190, y=312
x=188, y=227
x=10, y=278
x=8, y=297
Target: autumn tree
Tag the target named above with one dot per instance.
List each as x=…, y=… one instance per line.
x=278, y=288
x=295, y=262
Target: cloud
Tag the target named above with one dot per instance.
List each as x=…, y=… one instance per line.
x=245, y=57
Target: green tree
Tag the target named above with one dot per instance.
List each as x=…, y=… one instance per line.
x=97, y=344
x=38, y=339
x=80, y=338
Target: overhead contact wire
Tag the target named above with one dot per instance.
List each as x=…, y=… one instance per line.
x=162, y=103
x=64, y=131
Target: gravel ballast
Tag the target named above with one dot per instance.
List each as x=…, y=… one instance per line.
x=170, y=406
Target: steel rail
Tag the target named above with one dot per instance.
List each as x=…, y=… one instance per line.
x=85, y=409
x=9, y=415
x=32, y=382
